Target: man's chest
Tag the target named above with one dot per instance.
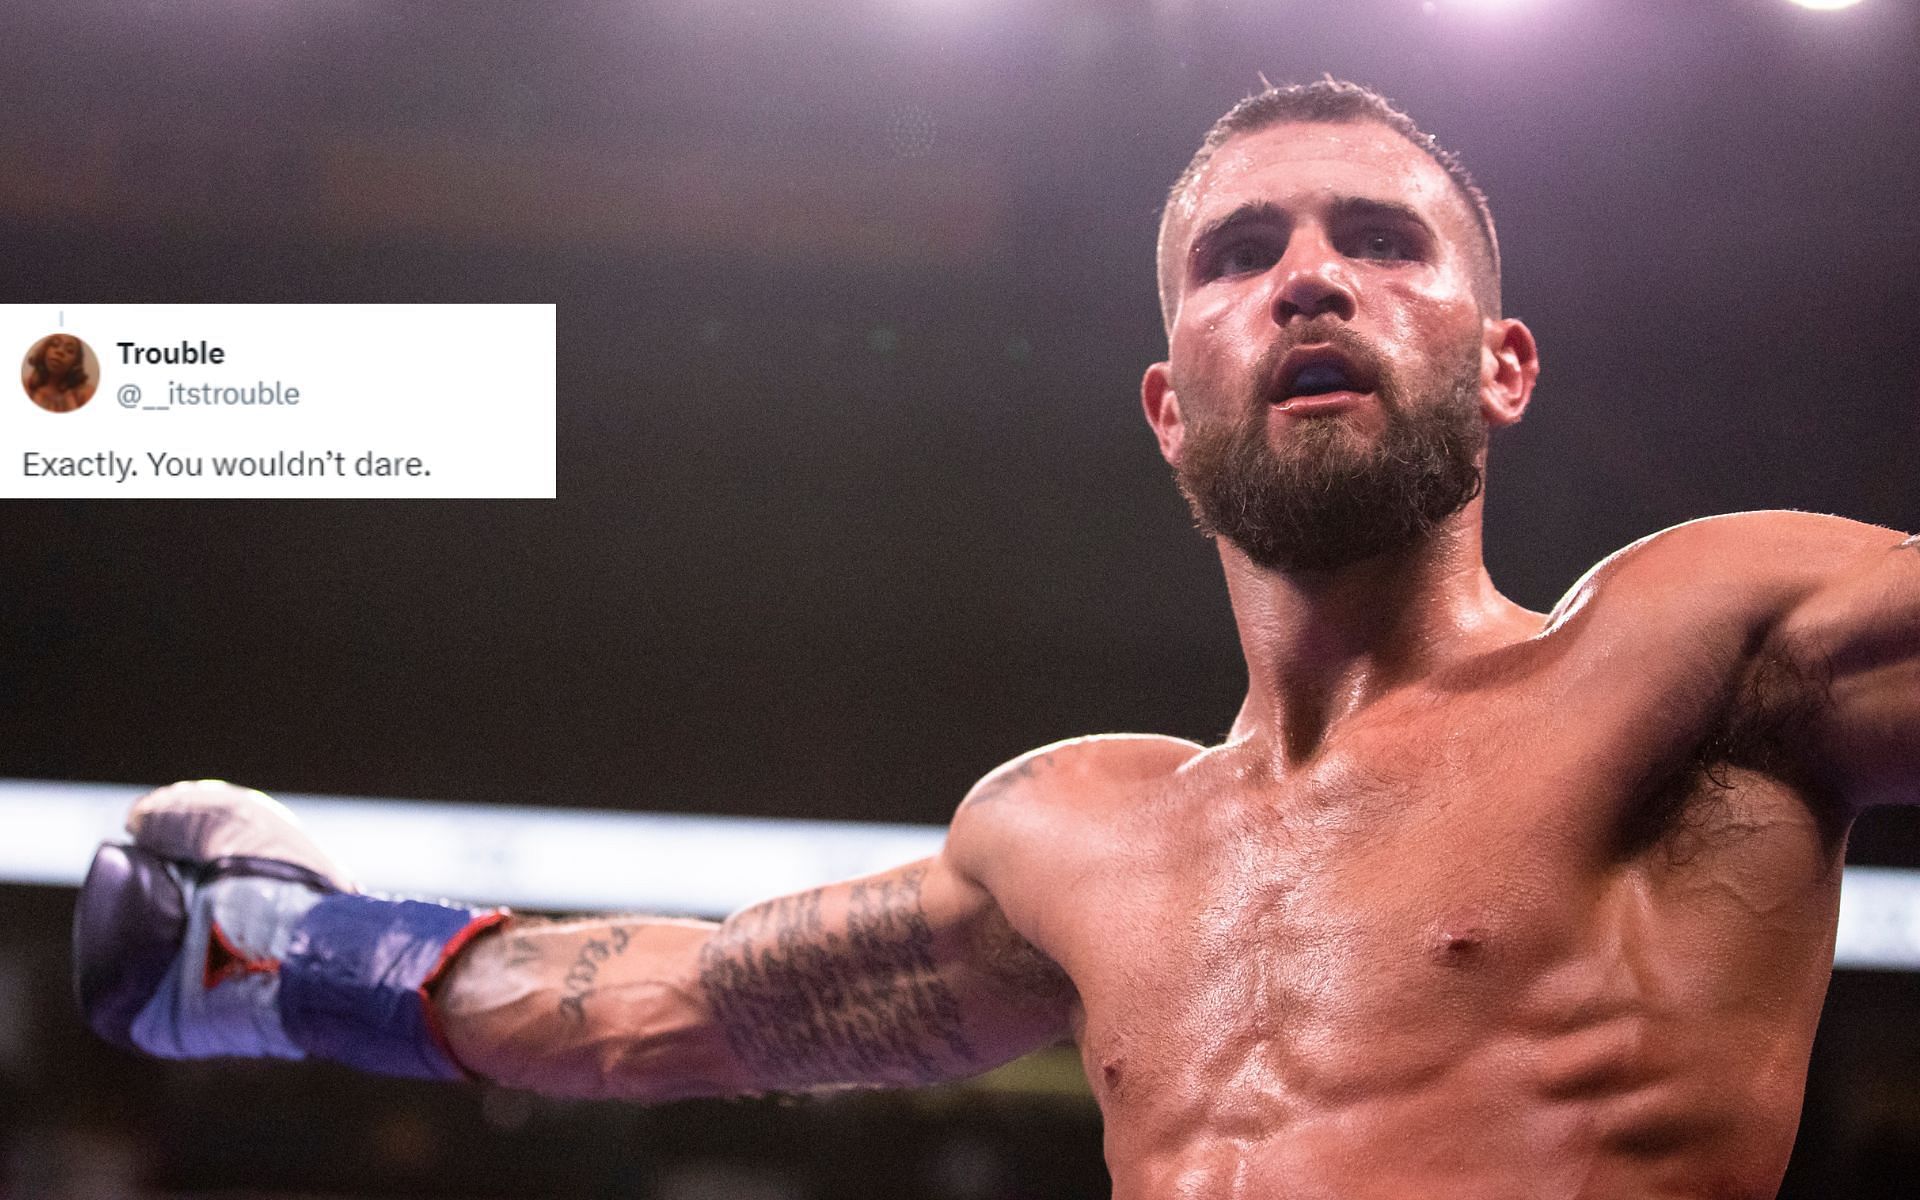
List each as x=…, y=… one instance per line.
x=1421, y=887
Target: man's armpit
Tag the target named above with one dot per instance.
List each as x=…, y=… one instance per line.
x=1011, y=961
x=1771, y=721
x=806, y=1000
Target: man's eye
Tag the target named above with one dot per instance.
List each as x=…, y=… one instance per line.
x=1243, y=257
x=1383, y=244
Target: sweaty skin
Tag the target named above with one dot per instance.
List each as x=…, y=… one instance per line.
x=1472, y=903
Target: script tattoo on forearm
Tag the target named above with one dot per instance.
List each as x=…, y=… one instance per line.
x=803, y=1005
x=585, y=972
x=521, y=952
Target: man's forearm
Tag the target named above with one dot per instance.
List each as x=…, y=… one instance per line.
x=599, y=1008
x=223, y=930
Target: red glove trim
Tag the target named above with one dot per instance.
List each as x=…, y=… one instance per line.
x=226, y=961
x=457, y=943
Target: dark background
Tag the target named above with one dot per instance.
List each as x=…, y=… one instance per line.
x=855, y=500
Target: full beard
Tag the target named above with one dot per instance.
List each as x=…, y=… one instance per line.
x=1332, y=500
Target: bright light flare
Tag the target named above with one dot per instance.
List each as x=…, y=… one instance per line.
x=1826, y=5
x=1434, y=7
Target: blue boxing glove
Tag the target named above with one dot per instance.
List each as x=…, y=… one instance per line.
x=224, y=931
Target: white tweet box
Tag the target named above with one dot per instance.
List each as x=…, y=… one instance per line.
x=259, y=401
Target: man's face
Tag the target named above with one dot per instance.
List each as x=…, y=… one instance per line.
x=1322, y=401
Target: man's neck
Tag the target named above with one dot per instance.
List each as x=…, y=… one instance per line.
x=1320, y=646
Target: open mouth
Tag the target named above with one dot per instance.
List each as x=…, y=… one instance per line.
x=1320, y=379
x=1321, y=371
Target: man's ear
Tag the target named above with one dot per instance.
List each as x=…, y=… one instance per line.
x=1509, y=367
x=1163, y=411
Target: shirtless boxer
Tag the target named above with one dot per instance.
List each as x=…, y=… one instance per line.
x=1472, y=903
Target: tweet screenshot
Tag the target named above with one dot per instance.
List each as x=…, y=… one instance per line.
x=316, y=401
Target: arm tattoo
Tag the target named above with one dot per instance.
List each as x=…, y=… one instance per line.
x=999, y=785
x=803, y=1005
x=1016, y=964
x=521, y=952
x=585, y=972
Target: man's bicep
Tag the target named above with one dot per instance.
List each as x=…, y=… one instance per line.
x=894, y=979
x=1857, y=633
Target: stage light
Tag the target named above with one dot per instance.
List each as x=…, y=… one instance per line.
x=1826, y=5
x=566, y=860
x=1434, y=8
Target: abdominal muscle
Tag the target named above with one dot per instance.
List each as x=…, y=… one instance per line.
x=1431, y=967
x=1605, y=1113
x=1631, y=1055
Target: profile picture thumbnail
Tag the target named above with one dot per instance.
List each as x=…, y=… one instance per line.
x=60, y=372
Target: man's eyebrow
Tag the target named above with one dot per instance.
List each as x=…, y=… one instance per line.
x=1344, y=208
x=1252, y=213
x=1366, y=207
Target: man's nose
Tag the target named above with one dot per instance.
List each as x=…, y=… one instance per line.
x=1313, y=282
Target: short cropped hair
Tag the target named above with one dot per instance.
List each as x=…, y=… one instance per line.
x=1330, y=101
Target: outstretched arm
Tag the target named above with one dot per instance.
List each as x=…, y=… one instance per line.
x=1854, y=632
x=910, y=976
x=223, y=930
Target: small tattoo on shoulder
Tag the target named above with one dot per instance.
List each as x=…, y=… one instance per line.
x=1005, y=781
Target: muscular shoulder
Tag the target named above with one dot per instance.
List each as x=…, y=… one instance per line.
x=1729, y=626
x=1049, y=795
x=1743, y=570
x=1081, y=768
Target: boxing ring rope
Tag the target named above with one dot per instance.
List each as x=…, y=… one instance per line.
x=575, y=860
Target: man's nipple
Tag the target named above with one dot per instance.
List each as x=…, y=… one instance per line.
x=1459, y=946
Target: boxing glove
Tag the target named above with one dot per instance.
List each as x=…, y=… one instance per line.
x=224, y=930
